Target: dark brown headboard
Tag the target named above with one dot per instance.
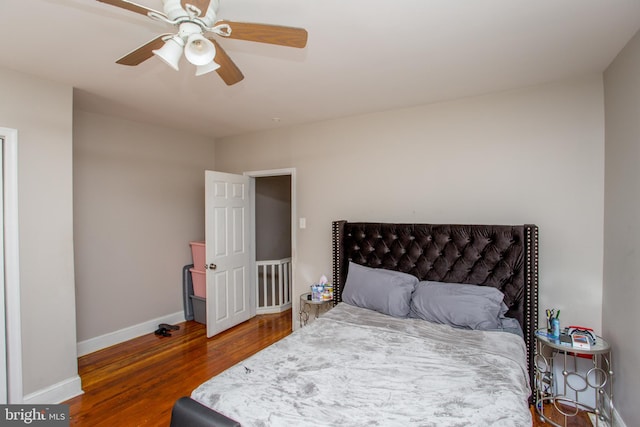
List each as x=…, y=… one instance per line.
x=502, y=256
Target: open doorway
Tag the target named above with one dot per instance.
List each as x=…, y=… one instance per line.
x=241, y=287
x=273, y=243
x=274, y=210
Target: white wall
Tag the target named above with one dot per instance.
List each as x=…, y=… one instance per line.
x=139, y=200
x=42, y=113
x=620, y=312
x=533, y=155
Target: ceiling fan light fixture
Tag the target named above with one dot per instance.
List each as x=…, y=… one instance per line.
x=171, y=52
x=199, y=50
x=207, y=68
x=195, y=19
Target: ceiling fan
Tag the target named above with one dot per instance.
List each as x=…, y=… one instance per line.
x=197, y=24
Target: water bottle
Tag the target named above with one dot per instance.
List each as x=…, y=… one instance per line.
x=555, y=328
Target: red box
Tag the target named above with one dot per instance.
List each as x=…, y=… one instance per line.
x=198, y=255
x=199, y=279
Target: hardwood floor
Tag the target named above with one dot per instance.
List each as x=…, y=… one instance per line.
x=136, y=383
x=580, y=420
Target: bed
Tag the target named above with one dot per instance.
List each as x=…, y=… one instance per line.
x=373, y=359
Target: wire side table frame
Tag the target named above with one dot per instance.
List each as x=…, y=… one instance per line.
x=598, y=379
x=307, y=306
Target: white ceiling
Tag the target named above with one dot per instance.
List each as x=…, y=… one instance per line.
x=362, y=56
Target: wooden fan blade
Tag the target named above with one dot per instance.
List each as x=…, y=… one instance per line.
x=203, y=5
x=142, y=53
x=264, y=33
x=133, y=7
x=228, y=71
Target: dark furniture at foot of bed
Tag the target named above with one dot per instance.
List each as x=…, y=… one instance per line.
x=187, y=412
x=502, y=256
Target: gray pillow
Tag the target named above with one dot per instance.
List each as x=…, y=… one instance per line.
x=458, y=305
x=386, y=291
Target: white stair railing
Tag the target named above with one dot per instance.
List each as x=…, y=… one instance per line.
x=274, y=286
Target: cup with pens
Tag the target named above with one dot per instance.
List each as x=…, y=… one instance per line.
x=553, y=323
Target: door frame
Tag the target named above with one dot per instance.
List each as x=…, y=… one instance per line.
x=294, y=254
x=11, y=265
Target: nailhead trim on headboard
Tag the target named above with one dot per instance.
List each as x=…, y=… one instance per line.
x=337, y=228
x=531, y=296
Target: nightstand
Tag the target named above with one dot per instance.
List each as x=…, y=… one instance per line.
x=579, y=382
x=307, y=306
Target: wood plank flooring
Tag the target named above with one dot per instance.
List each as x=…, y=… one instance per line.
x=136, y=383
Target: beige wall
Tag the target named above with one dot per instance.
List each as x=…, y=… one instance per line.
x=532, y=155
x=41, y=111
x=139, y=200
x=529, y=155
x=620, y=313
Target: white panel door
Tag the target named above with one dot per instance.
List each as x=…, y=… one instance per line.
x=230, y=293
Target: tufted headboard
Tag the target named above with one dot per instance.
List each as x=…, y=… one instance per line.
x=502, y=256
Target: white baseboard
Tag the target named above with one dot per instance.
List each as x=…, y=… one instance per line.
x=273, y=310
x=56, y=393
x=617, y=420
x=117, y=337
x=72, y=387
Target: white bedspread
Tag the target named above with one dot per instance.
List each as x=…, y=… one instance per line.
x=356, y=367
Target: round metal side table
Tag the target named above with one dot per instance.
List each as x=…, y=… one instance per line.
x=569, y=386
x=307, y=306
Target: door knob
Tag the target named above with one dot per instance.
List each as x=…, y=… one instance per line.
x=211, y=266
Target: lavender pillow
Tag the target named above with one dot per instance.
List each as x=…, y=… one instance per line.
x=458, y=305
x=385, y=291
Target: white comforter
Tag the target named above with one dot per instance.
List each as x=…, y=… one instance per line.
x=356, y=367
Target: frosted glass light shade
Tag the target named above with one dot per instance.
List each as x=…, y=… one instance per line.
x=199, y=50
x=207, y=68
x=171, y=52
